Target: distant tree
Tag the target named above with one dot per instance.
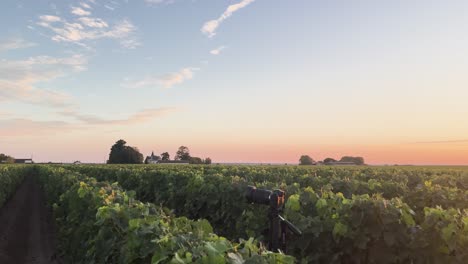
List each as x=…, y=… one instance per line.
x=195, y=160
x=165, y=156
x=134, y=156
x=6, y=159
x=329, y=160
x=208, y=161
x=306, y=160
x=122, y=154
x=117, y=152
x=183, y=153
x=355, y=160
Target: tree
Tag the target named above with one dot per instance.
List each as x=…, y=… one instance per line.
x=183, y=154
x=122, y=154
x=6, y=159
x=306, y=160
x=117, y=152
x=196, y=160
x=355, y=160
x=208, y=161
x=165, y=156
x=329, y=160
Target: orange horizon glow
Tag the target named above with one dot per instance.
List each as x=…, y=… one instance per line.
x=96, y=151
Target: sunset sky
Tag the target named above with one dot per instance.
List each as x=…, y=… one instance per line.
x=236, y=80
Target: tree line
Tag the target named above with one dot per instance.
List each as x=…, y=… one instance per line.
x=307, y=160
x=6, y=159
x=120, y=153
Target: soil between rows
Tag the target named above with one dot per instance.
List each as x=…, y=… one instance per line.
x=26, y=230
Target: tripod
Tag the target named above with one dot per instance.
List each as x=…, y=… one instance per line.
x=279, y=225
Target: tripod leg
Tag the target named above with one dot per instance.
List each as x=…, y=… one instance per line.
x=274, y=243
x=283, y=236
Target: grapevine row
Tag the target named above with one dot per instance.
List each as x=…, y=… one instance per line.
x=98, y=222
x=10, y=179
x=358, y=217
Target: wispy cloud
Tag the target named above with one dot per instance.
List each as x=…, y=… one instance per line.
x=26, y=127
x=130, y=43
x=19, y=79
x=111, y=8
x=157, y=2
x=93, y=22
x=4, y=114
x=453, y=141
x=89, y=28
x=210, y=27
x=85, y=5
x=15, y=43
x=166, y=81
x=217, y=51
x=139, y=117
x=49, y=19
x=15, y=127
x=79, y=11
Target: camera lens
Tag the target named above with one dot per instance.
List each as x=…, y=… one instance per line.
x=258, y=196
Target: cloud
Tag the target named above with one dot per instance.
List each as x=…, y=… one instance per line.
x=15, y=127
x=49, y=19
x=130, y=43
x=5, y=114
x=19, y=79
x=139, y=117
x=93, y=22
x=111, y=8
x=172, y=79
x=121, y=30
x=85, y=5
x=26, y=127
x=77, y=62
x=210, y=27
x=89, y=28
x=166, y=81
x=157, y=2
x=15, y=43
x=26, y=92
x=442, y=141
x=217, y=51
x=79, y=11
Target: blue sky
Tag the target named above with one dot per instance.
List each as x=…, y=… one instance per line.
x=237, y=80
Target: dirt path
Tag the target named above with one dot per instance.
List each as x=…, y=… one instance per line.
x=26, y=232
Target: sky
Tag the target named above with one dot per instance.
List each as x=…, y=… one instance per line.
x=236, y=80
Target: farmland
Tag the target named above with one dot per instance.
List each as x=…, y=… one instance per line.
x=185, y=214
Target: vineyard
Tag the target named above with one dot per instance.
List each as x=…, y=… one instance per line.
x=186, y=214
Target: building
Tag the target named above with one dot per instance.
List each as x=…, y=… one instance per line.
x=24, y=161
x=153, y=159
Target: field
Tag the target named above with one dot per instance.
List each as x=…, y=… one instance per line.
x=185, y=214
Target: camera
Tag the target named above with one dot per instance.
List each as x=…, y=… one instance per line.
x=277, y=235
x=265, y=197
